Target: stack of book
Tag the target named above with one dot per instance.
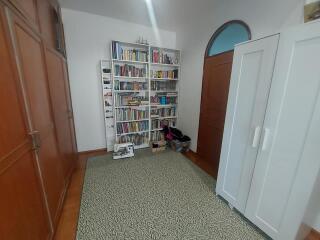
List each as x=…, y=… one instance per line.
x=163, y=112
x=170, y=74
x=129, y=71
x=131, y=127
x=157, y=124
x=158, y=56
x=136, y=139
x=130, y=100
x=130, y=85
x=119, y=53
x=128, y=114
x=164, y=86
x=164, y=98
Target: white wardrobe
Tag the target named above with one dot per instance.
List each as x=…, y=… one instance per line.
x=270, y=153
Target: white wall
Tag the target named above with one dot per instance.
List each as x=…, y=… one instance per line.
x=263, y=17
x=88, y=39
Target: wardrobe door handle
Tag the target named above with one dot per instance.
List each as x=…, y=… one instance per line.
x=265, y=139
x=36, y=141
x=256, y=137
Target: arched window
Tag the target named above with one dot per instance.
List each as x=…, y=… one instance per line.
x=229, y=34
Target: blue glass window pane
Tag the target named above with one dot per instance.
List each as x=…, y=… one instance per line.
x=233, y=34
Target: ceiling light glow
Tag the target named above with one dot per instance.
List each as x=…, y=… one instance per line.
x=153, y=21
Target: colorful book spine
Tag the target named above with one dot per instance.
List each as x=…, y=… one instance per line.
x=171, y=74
x=128, y=114
x=132, y=127
x=157, y=124
x=164, y=86
x=136, y=139
x=129, y=71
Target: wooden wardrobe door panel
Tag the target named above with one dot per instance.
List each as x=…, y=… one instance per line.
x=28, y=8
x=214, y=96
x=12, y=123
x=57, y=86
x=60, y=108
x=46, y=20
x=22, y=207
x=33, y=73
x=23, y=212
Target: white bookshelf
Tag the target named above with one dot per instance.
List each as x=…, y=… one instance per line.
x=154, y=87
x=107, y=98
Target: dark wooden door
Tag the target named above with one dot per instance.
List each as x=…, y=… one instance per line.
x=32, y=67
x=62, y=111
x=23, y=212
x=214, y=97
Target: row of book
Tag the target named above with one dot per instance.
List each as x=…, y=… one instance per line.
x=163, y=112
x=163, y=100
x=157, y=136
x=158, y=56
x=136, y=139
x=120, y=53
x=170, y=74
x=127, y=70
x=159, y=124
x=129, y=127
x=165, y=85
x=130, y=100
x=130, y=85
x=128, y=114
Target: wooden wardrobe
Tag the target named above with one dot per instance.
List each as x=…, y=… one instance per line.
x=37, y=140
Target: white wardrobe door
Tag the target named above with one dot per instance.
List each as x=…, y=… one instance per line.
x=289, y=143
x=252, y=70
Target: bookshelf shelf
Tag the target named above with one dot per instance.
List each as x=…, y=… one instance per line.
x=130, y=91
x=138, y=106
x=164, y=79
x=163, y=105
x=168, y=117
x=165, y=64
x=163, y=91
x=160, y=68
x=129, y=61
x=127, y=77
x=137, y=120
x=156, y=129
x=134, y=44
x=132, y=133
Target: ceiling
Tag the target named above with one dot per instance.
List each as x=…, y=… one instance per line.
x=169, y=14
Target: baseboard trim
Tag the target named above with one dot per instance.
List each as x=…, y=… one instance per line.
x=94, y=151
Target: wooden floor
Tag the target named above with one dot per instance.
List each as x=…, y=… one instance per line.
x=67, y=227
x=314, y=235
x=200, y=163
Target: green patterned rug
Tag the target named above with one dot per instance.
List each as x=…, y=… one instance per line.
x=155, y=196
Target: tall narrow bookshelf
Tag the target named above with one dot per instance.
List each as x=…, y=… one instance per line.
x=145, y=91
x=107, y=98
x=164, y=89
